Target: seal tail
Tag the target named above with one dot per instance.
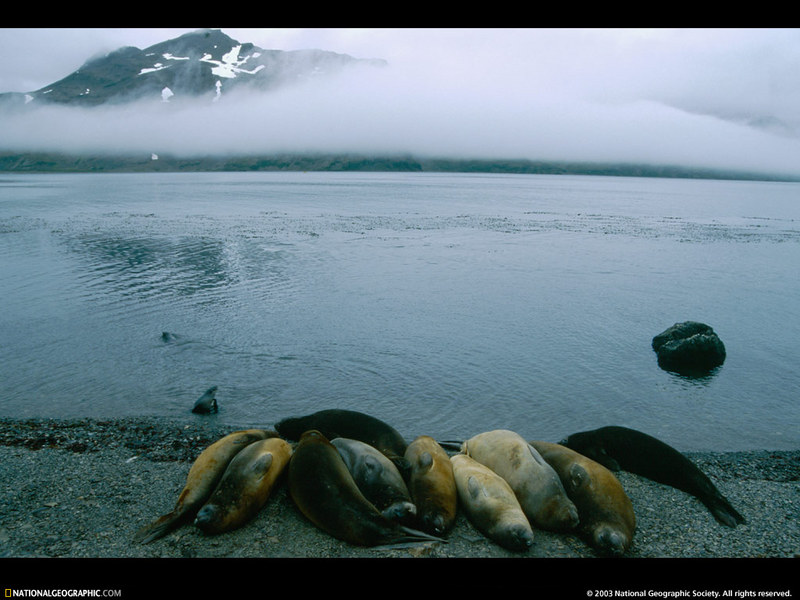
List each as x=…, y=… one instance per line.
x=160, y=527
x=408, y=536
x=451, y=444
x=723, y=511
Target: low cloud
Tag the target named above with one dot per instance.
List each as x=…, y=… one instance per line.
x=645, y=100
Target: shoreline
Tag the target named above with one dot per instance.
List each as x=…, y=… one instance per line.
x=80, y=489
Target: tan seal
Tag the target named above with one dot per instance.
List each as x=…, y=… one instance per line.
x=325, y=492
x=245, y=486
x=607, y=521
x=378, y=479
x=201, y=482
x=432, y=485
x=537, y=486
x=490, y=504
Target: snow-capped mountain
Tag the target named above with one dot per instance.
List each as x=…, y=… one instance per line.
x=202, y=64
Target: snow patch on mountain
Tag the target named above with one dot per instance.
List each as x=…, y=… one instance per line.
x=230, y=65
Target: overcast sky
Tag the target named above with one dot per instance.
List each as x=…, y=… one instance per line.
x=652, y=95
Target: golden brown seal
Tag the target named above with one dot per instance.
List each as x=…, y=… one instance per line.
x=432, y=485
x=537, y=486
x=245, y=486
x=201, y=482
x=606, y=512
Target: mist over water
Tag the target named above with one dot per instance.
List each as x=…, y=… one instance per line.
x=444, y=304
x=706, y=98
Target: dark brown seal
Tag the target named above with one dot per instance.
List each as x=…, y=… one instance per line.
x=432, y=485
x=201, y=482
x=607, y=520
x=207, y=403
x=335, y=422
x=326, y=493
x=245, y=486
x=620, y=448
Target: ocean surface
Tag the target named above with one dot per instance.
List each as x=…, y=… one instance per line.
x=444, y=304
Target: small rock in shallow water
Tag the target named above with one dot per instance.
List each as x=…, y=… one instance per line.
x=689, y=348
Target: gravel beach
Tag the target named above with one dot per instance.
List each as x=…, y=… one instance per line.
x=80, y=489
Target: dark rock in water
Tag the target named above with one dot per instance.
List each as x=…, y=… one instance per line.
x=689, y=348
x=207, y=403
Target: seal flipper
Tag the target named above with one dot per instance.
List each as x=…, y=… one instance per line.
x=410, y=537
x=723, y=511
x=451, y=444
x=577, y=477
x=262, y=465
x=161, y=526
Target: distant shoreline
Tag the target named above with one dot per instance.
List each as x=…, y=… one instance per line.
x=54, y=162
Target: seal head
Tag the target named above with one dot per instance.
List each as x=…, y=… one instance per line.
x=207, y=403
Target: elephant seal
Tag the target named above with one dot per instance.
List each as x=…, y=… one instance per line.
x=327, y=495
x=245, y=486
x=620, y=448
x=607, y=520
x=536, y=484
x=432, y=485
x=202, y=480
x=335, y=422
x=378, y=479
x=490, y=504
x=207, y=403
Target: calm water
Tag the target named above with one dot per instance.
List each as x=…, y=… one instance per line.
x=446, y=304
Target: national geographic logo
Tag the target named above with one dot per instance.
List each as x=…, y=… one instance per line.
x=62, y=593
